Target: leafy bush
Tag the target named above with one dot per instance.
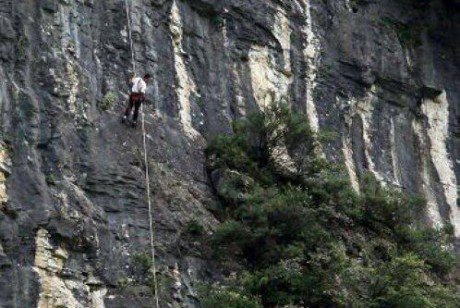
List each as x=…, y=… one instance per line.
x=229, y=299
x=194, y=228
x=306, y=238
x=262, y=141
x=229, y=296
x=50, y=179
x=142, y=261
x=402, y=282
x=433, y=246
x=109, y=100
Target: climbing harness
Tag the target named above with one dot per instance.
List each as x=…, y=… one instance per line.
x=147, y=175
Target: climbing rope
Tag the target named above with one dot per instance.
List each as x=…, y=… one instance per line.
x=130, y=37
x=149, y=200
x=147, y=175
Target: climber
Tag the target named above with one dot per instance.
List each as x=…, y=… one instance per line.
x=137, y=97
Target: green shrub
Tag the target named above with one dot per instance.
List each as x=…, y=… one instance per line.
x=194, y=228
x=230, y=238
x=142, y=261
x=261, y=139
x=402, y=282
x=109, y=100
x=217, y=20
x=389, y=208
x=50, y=179
x=306, y=238
x=212, y=297
x=434, y=246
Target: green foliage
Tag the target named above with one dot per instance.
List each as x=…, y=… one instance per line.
x=50, y=179
x=306, y=238
x=217, y=20
x=327, y=135
x=109, y=100
x=432, y=245
x=164, y=284
x=142, y=261
x=262, y=140
x=388, y=209
x=194, y=228
x=402, y=282
x=9, y=149
x=212, y=297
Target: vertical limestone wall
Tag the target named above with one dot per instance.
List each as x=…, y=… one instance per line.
x=185, y=84
x=436, y=111
x=311, y=53
x=70, y=174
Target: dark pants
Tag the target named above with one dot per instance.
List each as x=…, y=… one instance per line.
x=135, y=100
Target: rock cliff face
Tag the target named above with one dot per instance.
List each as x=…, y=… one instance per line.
x=73, y=219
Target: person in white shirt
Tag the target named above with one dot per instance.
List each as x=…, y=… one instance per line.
x=137, y=96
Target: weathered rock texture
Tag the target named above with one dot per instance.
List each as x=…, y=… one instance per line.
x=385, y=75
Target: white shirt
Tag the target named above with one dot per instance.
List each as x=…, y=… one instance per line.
x=139, y=85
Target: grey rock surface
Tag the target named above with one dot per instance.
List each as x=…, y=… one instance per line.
x=73, y=218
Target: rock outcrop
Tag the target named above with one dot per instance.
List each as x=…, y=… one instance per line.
x=73, y=217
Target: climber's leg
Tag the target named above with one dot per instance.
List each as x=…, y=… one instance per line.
x=137, y=106
x=130, y=107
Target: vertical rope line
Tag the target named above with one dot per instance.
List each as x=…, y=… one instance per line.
x=130, y=36
x=147, y=174
x=149, y=200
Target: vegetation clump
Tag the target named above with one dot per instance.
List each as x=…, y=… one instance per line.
x=194, y=228
x=303, y=235
x=109, y=100
x=142, y=261
x=50, y=179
